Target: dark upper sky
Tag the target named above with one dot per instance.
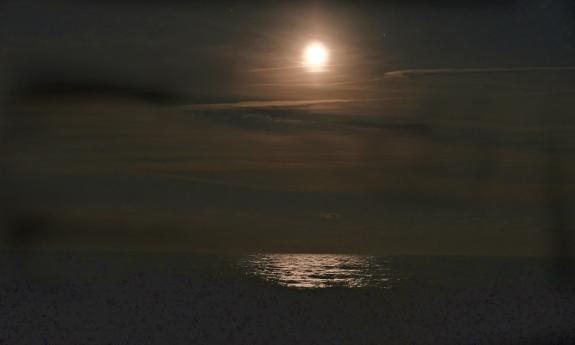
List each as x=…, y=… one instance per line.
x=225, y=51
x=436, y=128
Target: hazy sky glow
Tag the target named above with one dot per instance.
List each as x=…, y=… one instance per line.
x=430, y=129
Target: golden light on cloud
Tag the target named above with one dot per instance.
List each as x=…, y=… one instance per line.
x=315, y=57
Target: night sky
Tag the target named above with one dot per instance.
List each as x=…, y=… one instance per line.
x=436, y=128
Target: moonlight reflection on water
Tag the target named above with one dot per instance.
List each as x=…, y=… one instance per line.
x=319, y=270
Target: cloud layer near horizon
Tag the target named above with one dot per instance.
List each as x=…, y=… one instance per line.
x=402, y=171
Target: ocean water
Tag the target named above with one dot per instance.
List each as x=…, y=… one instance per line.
x=136, y=298
x=311, y=271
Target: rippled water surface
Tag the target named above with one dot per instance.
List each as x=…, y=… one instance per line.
x=319, y=270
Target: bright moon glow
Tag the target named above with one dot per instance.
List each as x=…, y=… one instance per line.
x=315, y=57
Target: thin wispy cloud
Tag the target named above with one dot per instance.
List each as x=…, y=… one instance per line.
x=269, y=104
x=329, y=215
x=192, y=179
x=433, y=71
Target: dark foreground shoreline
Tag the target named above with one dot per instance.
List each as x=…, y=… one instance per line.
x=78, y=298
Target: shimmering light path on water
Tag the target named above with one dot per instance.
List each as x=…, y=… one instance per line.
x=319, y=270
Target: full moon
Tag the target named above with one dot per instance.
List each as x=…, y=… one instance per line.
x=315, y=57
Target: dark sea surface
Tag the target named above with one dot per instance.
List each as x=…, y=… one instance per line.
x=135, y=298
